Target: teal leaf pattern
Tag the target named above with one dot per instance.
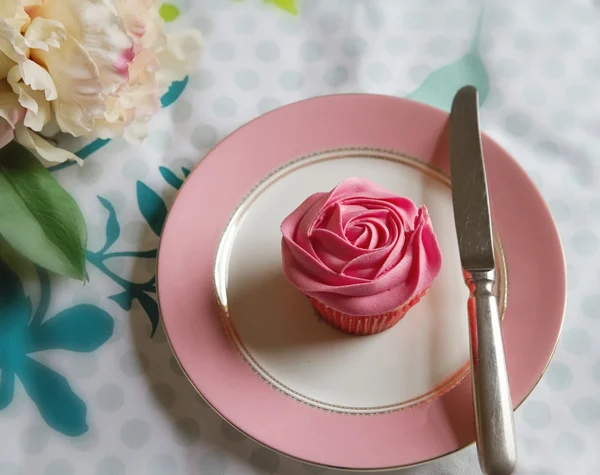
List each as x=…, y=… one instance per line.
x=152, y=207
x=170, y=177
x=83, y=328
x=441, y=85
x=113, y=230
x=151, y=308
x=59, y=406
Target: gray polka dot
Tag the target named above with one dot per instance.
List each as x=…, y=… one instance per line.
x=375, y=18
x=578, y=95
x=267, y=104
x=591, y=67
x=518, y=124
x=508, y=68
x=569, y=445
x=205, y=25
x=336, y=76
x=291, y=80
x=525, y=41
x=586, y=411
x=311, y=51
x=110, y=466
x=117, y=198
x=494, y=100
x=572, y=277
x=577, y=341
x=90, y=172
x=186, y=431
x=397, y=45
x=268, y=51
x=558, y=376
x=202, y=80
x=419, y=72
x=164, y=394
x=231, y=433
x=440, y=46
x=135, y=433
x=553, y=68
x=499, y=15
x=596, y=372
x=213, y=462
x=174, y=365
x=182, y=111
x=224, y=106
x=110, y=398
x=265, y=459
x=223, y=51
x=379, y=73
x=133, y=363
x=244, y=25
x=204, y=136
x=560, y=210
x=564, y=120
x=34, y=439
x=330, y=23
x=354, y=47
x=457, y=19
x=163, y=464
x=84, y=365
x=247, y=79
x=289, y=26
x=546, y=151
x=313, y=469
x=134, y=231
x=534, y=95
x=135, y=169
x=9, y=468
x=159, y=141
x=585, y=242
x=537, y=414
x=86, y=442
x=416, y=19
x=59, y=467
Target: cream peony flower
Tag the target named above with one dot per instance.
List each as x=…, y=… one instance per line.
x=91, y=67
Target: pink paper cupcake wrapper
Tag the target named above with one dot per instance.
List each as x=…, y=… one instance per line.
x=364, y=325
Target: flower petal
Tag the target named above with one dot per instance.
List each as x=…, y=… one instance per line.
x=38, y=108
x=5, y=64
x=14, y=14
x=179, y=57
x=80, y=100
x=38, y=79
x=44, y=149
x=12, y=44
x=44, y=33
x=10, y=110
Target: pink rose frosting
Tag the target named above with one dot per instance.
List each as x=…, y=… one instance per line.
x=360, y=249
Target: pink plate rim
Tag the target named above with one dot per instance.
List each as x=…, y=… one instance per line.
x=532, y=247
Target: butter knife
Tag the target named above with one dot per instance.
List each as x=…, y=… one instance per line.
x=496, y=444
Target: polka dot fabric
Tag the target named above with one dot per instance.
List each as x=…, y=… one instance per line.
x=543, y=65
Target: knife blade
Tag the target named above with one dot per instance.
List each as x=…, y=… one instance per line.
x=496, y=445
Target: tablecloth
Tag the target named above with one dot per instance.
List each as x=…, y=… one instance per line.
x=97, y=390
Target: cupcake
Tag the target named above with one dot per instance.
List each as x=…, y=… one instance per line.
x=363, y=255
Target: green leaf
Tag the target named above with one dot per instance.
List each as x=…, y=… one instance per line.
x=38, y=218
x=287, y=5
x=170, y=177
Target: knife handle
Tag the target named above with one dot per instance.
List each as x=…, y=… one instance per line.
x=496, y=444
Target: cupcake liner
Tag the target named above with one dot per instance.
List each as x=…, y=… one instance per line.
x=364, y=325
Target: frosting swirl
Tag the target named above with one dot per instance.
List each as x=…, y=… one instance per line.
x=360, y=249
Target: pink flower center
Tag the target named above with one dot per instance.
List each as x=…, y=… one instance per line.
x=122, y=64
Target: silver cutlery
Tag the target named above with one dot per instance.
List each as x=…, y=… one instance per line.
x=496, y=445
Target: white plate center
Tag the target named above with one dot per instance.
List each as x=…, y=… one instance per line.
x=282, y=337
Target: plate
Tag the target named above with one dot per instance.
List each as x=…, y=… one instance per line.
x=255, y=349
